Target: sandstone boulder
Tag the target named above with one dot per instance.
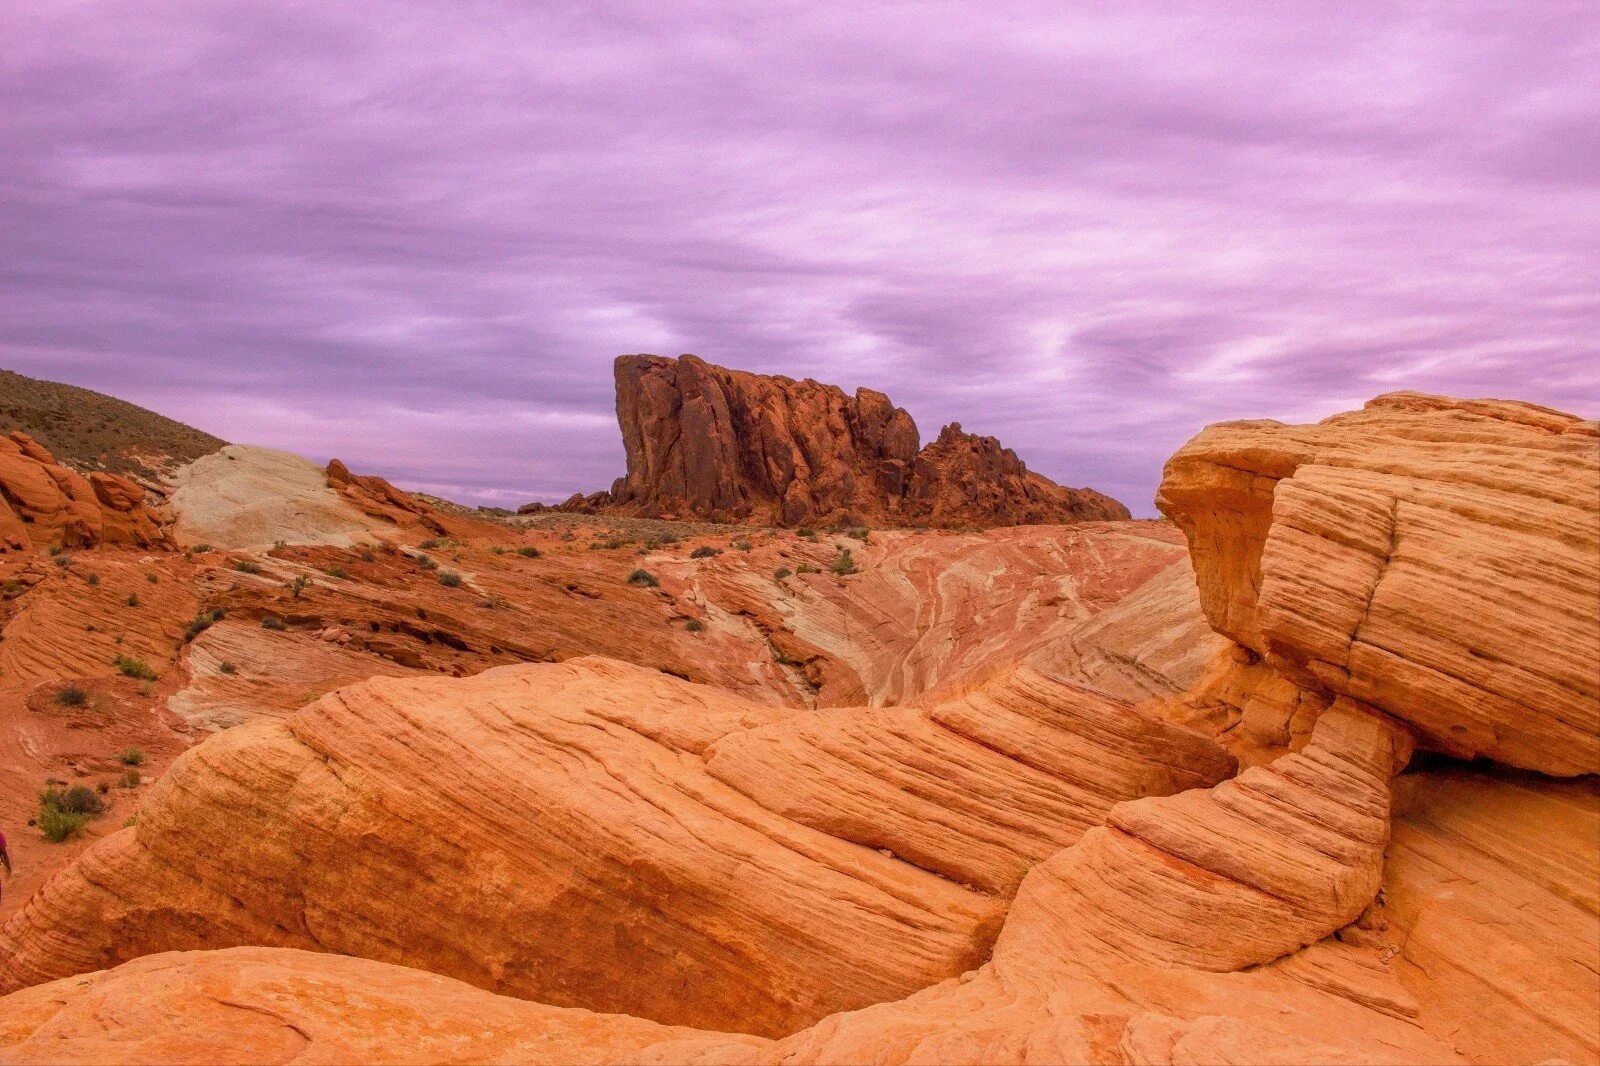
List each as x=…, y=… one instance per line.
x=46, y=504
x=1434, y=558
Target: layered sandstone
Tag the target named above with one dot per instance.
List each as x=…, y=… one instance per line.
x=722, y=445
x=594, y=834
x=1434, y=558
x=45, y=504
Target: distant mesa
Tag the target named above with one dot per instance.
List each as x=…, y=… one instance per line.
x=712, y=444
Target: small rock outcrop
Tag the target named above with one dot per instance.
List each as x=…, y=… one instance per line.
x=244, y=496
x=712, y=444
x=44, y=504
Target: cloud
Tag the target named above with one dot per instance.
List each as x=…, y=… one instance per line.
x=415, y=237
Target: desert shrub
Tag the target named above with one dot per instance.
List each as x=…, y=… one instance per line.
x=57, y=825
x=668, y=538
x=153, y=579
x=71, y=696
x=807, y=568
x=13, y=588
x=643, y=578
x=63, y=811
x=845, y=563
x=131, y=757
x=335, y=572
x=63, y=561
x=430, y=544
x=496, y=549
x=76, y=799
x=131, y=779
x=859, y=533
x=201, y=549
x=298, y=585
x=273, y=622
x=128, y=666
x=102, y=787
x=781, y=572
x=743, y=545
x=529, y=552
x=226, y=667
x=450, y=579
x=54, y=549
x=202, y=622
x=694, y=625
x=133, y=599
x=807, y=532
x=368, y=557
x=245, y=566
x=93, y=579
x=705, y=551
x=427, y=562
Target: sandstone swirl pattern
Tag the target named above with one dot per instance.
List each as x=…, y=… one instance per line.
x=1313, y=908
x=589, y=833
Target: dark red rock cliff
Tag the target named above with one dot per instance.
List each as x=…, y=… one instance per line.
x=708, y=443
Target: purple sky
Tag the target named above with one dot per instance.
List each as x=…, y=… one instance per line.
x=413, y=235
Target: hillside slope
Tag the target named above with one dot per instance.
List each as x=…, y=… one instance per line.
x=88, y=430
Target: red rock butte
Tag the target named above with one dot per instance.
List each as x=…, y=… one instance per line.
x=710, y=444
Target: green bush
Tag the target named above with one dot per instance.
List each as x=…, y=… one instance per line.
x=57, y=825
x=529, y=553
x=694, y=625
x=430, y=544
x=245, y=566
x=426, y=562
x=781, y=572
x=274, y=623
x=643, y=578
x=71, y=696
x=859, y=534
x=335, y=572
x=743, y=545
x=128, y=666
x=130, y=779
x=845, y=563
x=450, y=579
x=202, y=622
x=153, y=579
x=131, y=757
x=93, y=579
x=807, y=532
x=133, y=599
x=705, y=551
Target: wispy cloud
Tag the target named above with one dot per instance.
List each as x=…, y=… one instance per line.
x=415, y=235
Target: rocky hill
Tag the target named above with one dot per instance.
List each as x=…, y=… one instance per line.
x=711, y=444
x=87, y=430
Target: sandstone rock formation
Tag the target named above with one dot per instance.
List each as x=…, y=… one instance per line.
x=44, y=504
x=589, y=834
x=244, y=496
x=251, y=1005
x=1000, y=860
x=723, y=445
x=1434, y=558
